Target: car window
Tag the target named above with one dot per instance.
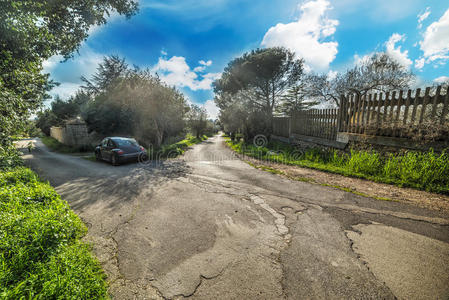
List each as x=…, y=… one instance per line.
x=111, y=144
x=126, y=142
x=104, y=143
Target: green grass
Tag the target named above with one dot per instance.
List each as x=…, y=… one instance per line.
x=41, y=255
x=56, y=146
x=421, y=170
x=176, y=149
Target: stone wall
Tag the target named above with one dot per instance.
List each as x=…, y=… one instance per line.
x=73, y=134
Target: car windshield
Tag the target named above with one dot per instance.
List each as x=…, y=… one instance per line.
x=126, y=142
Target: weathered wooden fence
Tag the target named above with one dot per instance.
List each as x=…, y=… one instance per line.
x=320, y=123
x=281, y=126
x=384, y=114
x=390, y=114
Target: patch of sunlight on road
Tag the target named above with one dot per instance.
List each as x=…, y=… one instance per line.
x=412, y=265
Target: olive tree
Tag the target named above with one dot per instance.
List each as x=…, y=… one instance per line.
x=378, y=73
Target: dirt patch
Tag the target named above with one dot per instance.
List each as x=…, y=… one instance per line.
x=365, y=187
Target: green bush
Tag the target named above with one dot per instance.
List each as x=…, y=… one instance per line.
x=422, y=170
x=9, y=157
x=40, y=252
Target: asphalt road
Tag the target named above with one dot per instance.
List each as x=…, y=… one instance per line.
x=209, y=226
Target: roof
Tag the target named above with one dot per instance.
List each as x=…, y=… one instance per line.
x=76, y=121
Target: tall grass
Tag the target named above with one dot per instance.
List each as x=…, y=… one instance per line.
x=421, y=170
x=41, y=255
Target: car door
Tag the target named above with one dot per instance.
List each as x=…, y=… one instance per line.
x=104, y=149
x=109, y=147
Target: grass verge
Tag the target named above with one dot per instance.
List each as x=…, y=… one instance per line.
x=427, y=171
x=41, y=254
x=310, y=180
x=176, y=149
x=56, y=146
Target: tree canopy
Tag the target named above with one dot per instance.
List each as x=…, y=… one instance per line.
x=378, y=73
x=264, y=73
x=252, y=87
x=33, y=31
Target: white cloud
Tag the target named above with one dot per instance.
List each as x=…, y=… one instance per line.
x=212, y=109
x=419, y=63
x=164, y=53
x=306, y=36
x=396, y=53
x=175, y=71
x=199, y=69
x=65, y=90
x=423, y=16
x=205, y=63
x=51, y=63
x=68, y=73
x=435, y=43
x=442, y=79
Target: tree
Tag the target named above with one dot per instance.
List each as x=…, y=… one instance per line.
x=265, y=73
x=61, y=111
x=378, y=73
x=111, y=69
x=252, y=87
x=137, y=104
x=294, y=100
x=45, y=120
x=197, y=120
x=33, y=31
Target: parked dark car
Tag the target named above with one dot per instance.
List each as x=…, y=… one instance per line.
x=117, y=150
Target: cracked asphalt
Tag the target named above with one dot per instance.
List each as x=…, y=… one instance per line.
x=209, y=226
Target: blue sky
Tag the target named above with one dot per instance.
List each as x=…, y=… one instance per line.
x=189, y=42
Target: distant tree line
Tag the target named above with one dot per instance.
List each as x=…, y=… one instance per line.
x=120, y=100
x=267, y=82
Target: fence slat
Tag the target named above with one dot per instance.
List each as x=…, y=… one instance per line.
x=415, y=105
x=379, y=105
x=392, y=103
x=362, y=117
x=368, y=115
x=407, y=106
x=386, y=104
x=349, y=115
x=445, y=107
x=398, y=112
x=357, y=113
x=435, y=102
x=424, y=105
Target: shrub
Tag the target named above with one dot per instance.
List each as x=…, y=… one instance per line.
x=40, y=252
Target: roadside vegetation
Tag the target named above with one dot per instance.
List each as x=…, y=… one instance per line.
x=56, y=146
x=123, y=101
x=41, y=254
x=421, y=170
x=178, y=148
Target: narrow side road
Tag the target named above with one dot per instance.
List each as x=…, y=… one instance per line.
x=209, y=226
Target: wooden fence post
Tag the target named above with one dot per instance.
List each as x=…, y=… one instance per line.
x=445, y=107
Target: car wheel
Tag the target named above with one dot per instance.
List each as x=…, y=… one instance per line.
x=97, y=155
x=114, y=160
x=143, y=157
